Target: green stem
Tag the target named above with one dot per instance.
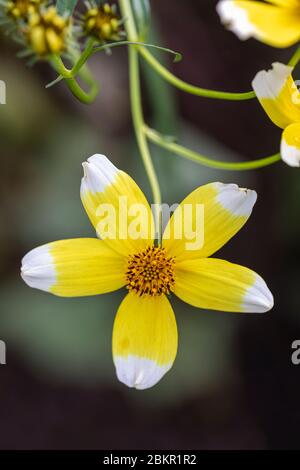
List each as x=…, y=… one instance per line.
x=163, y=142
x=81, y=60
x=75, y=88
x=58, y=65
x=194, y=90
x=295, y=59
x=80, y=94
x=137, y=113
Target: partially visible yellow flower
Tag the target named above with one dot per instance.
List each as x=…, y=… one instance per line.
x=47, y=32
x=274, y=22
x=280, y=98
x=145, y=331
x=21, y=9
x=103, y=22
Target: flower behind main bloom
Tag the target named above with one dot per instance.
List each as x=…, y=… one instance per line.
x=277, y=24
x=145, y=331
x=47, y=32
x=280, y=98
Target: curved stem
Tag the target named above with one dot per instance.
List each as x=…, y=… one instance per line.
x=59, y=66
x=193, y=90
x=80, y=94
x=196, y=157
x=75, y=88
x=137, y=114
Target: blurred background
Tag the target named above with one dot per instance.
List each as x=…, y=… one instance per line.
x=233, y=385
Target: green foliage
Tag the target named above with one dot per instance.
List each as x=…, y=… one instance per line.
x=142, y=10
x=66, y=6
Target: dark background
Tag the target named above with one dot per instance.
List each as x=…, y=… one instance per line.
x=233, y=385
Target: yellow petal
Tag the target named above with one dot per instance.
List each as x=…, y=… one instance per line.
x=144, y=340
x=285, y=3
x=278, y=94
x=38, y=40
x=55, y=42
x=116, y=206
x=192, y=232
x=215, y=284
x=277, y=25
x=290, y=145
x=74, y=268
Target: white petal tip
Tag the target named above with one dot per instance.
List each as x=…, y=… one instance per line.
x=235, y=19
x=99, y=173
x=267, y=84
x=258, y=298
x=37, y=269
x=238, y=201
x=139, y=373
x=290, y=154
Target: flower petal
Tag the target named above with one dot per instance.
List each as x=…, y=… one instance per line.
x=277, y=25
x=116, y=206
x=144, y=340
x=285, y=3
x=290, y=145
x=74, y=268
x=216, y=284
x=192, y=233
x=278, y=94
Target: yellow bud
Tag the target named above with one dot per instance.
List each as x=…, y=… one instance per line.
x=92, y=12
x=106, y=30
x=55, y=43
x=16, y=12
x=106, y=8
x=37, y=40
x=114, y=24
x=59, y=22
x=49, y=14
x=34, y=19
x=91, y=23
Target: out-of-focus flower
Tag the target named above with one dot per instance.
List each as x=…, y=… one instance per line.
x=145, y=331
x=47, y=32
x=103, y=23
x=280, y=98
x=276, y=22
x=21, y=9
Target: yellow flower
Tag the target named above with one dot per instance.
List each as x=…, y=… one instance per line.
x=20, y=9
x=47, y=32
x=145, y=331
x=280, y=98
x=103, y=23
x=274, y=22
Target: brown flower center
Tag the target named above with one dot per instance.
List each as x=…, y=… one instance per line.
x=150, y=272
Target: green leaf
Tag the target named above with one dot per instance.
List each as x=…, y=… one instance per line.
x=177, y=55
x=141, y=9
x=54, y=82
x=66, y=6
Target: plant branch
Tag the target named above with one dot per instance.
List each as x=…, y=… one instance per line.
x=196, y=157
x=137, y=112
